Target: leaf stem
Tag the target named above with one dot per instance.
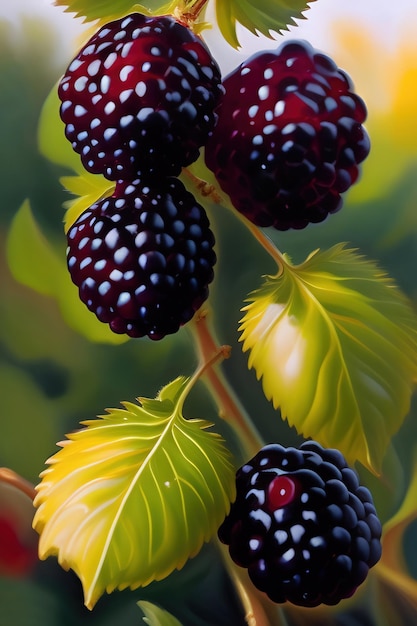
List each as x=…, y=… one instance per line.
x=10, y=477
x=209, y=191
x=230, y=408
x=220, y=353
x=266, y=243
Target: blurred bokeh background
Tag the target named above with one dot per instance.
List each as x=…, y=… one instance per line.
x=52, y=376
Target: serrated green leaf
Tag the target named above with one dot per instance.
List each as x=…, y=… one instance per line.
x=106, y=10
x=34, y=262
x=134, y=494
x=262, y=16
x=258, y=16
x=155, y=616
x=335, y=343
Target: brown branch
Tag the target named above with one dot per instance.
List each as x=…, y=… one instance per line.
x=230, y=408
x=10, y=477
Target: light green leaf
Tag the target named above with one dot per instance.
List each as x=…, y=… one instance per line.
x=335, y=343
x=52, y=142
x=261, y=16
x=106, y=10
x=134, y=495
x=34, y=262
x=155, y=616
x=258, y=16
x=31, y=258
x=89, y=188
x=55, y=146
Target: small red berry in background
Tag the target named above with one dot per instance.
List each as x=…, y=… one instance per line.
x=18, y=542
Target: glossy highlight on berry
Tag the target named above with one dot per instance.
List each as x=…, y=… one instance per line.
x=302, y=525
x=138, y=100
x=289, y=137
x=143, y=258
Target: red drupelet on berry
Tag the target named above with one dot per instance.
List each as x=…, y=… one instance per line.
x=143, y=258
x=139, y=98
x=303, y=526
x=289, y=137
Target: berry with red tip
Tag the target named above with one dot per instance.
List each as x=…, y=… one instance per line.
x=289, y=137
x=302, y=524
x=139, y=98
x=143, y=258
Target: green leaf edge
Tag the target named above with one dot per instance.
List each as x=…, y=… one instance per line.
x=408, y=325
x=155, y=616
x=169, y=401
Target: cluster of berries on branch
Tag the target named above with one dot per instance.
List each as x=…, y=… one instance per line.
x=138, y=102
x=282, y=134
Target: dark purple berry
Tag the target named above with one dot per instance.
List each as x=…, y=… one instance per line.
x=302, y=525
x=139, y=98
x=289, y=137
x=143, y=258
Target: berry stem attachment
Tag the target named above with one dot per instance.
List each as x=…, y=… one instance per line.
x=230, y=408
x=188, y=11
x=203, y=188
x=208, y=191
x=10, y=477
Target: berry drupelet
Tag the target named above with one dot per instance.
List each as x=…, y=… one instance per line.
x=143, y=258
x=138, y=100
x=289, y=137
x=302, y=524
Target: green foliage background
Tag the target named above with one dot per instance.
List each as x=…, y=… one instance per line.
x=51, y=378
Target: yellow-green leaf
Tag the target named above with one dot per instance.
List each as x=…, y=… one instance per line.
x=36, y=263
x=155, y=616
x=258, y=16
x=51, y=135
x=31, y=258
x=106, y=10
x=55, y=146
x=134, y=494
x=89, y=188
x=335, y=343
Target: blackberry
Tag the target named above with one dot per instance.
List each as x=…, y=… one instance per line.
x=139, y=98
x=143, y=258
x=302, y=524
x=289, y=137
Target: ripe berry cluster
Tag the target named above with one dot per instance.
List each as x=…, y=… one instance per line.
x=138, y=103
x=282, y=133
x=289, y=137
x=302, y=524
